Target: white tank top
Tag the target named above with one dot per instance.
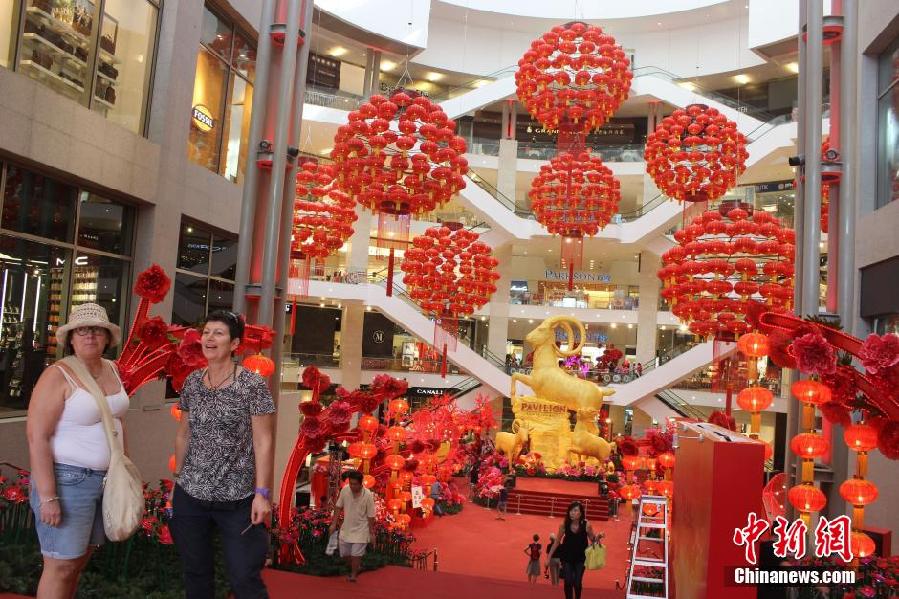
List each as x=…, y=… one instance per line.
x=79, y=439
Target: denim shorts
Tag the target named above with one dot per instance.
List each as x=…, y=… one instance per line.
x=80, y=492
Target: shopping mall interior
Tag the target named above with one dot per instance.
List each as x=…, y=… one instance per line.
x=419, y=189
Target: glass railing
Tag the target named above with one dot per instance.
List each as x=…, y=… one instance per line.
x=576, y=300
x=704, y=380
x=331, y=98
x=679, y=405
x=533, y=150
x=664, y=356
x=390, y=364
x=320, y=360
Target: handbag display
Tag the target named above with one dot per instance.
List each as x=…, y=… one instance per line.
x=123, y=487
x=596, y=556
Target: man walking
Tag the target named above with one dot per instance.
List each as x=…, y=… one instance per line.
x=356, y=507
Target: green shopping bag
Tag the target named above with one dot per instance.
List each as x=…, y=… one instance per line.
x=596, y=556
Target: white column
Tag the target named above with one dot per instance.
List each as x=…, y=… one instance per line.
x=351, y=345
x=357, y=256
x=649, y=306
x=498, y=331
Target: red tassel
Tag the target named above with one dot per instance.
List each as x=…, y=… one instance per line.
x=390, y=274
x=571, y=276
x=443, y=366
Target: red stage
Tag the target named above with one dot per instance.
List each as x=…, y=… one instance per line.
x=551, y=496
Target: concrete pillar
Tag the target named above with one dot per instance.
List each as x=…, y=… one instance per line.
x=351, y=344
x=650, y=190
x=648, y=307
x=507, y=167
x=498, y=331
x=357, y=256
x=372, y=76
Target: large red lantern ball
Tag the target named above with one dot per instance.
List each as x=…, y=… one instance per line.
x=399, y=156
x=323, y=216
x=811, y=392
x=260, y=364
x=860, y=437
x=807, y=498
x=858, y=491
x=449, y=273
x=809, y=445
x=573, y=76
x=696, y=154
x=755, y=399
x=726, y=261
x=575, y=195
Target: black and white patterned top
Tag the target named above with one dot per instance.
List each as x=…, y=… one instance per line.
x=220, y=463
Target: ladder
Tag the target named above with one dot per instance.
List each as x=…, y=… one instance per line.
x=649, y=549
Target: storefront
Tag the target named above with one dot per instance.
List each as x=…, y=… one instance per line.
x=60, y=246
x=68, y=44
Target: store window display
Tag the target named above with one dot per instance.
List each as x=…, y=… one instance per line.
x=57, y=41
x=222, y=98
x=204, y=280
x=59, y=247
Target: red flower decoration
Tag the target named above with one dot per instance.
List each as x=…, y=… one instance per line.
x=388, y=387
x=153, y=284
x=835, y=413
x=313, y=428
x=411, y=465
x=888, y=440
x=178, y=370
x=627, y=446
x=339, y=413
x=814, y=354
x=721, y=419
x=310, y=408
x=191, y=350
x=841, y=383
x=417, y=446
x=658, y=443
x=154, y=333
x=15, y=494
x=165, y=536
x=256, y=338
x=313, y=378
x=879, y=353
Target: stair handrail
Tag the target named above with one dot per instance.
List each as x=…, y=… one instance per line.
x=679, y=405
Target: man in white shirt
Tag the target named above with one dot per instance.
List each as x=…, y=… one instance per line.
x=356, y=506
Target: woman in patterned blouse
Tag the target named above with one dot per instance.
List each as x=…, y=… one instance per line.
x=224, y=450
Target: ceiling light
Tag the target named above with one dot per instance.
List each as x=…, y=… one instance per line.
x=742, y=79
x=483, y=318
x=432, y=76
x=614, y=325
x=321, y=305
x=687, y=85
x=368, y=308
x=326, y=151
x=659, y=23
x=630, y=325
x=530, y=321
x=480, y=83
x=387, y=65
x=793, y=67
x=338, y=51
x=663, y=327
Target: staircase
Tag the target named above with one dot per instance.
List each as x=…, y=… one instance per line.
x=553, y=504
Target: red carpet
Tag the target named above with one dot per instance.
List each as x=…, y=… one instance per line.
x=554, y=485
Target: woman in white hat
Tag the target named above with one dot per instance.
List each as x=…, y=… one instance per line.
x=69, y=450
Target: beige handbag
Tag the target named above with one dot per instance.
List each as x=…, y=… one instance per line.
x=123, y=490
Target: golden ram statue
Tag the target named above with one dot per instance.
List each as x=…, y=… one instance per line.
x=549, y=431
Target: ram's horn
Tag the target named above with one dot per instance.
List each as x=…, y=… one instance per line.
x=564, y=322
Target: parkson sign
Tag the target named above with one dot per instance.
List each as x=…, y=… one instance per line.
x=579, y=275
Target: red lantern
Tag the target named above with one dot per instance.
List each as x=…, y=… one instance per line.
x=574, y=74
x=807, y=498
x=809, y=445
x=721, y=267
x=368, y=424
x=666, y=488
x=398, y=407
x=368, y=481
x=173, y=463
x=368, y=450
x=427, y=504
x=631, y=462
x=858, y=491
x=176, y=413
x=395, y=461
x=861, y=544
x=397, y=434
x=754, y=399
x=754, y=345
x=811, y=392
x=323, y=216
x=260, y=364
x=696, y=154
x=666, y=460
x=860, y=437
x=629, y=492
x=575, y=195
x=399, y=156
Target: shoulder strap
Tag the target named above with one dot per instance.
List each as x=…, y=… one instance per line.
x=68, y=377
x=91, y=386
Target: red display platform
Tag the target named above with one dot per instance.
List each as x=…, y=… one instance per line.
x=718, y=480
x=551, y=496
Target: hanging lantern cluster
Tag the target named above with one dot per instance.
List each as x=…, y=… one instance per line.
x=858, y=491
x=575, y=195
x=695, y=154
x=754, y=399
x=400, y=155
x=808, y=445
x=724, y=262
x=574, y=73
x=449, y=273
x=323, y=216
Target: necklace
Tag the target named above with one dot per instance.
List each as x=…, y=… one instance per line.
x=216, y=387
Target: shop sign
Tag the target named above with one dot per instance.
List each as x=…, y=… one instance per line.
x=579, y=275
x=378, y=336
x=417, y=495
x=201, y=118
x=430, y=391
x=774, y=186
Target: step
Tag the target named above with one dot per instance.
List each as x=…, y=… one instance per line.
x=633, y=596
x=645, y=579
x=652, y=525
x=651, y=563
x=656, y=539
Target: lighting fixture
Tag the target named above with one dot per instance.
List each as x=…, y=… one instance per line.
x=337, y=51
x=387, y=65
x=687, y=85
x=793, y=67
x=480, y=83
x=742, y=79
x=325, y=152
x=432, y=76
x=614, y=325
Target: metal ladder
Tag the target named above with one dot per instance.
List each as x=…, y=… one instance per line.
x=641, y=532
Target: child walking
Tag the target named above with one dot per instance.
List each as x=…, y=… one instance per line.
x=533, y=553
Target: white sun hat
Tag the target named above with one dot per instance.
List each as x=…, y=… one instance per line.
x=89, y=315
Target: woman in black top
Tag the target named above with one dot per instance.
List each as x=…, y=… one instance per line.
x=574, y=536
